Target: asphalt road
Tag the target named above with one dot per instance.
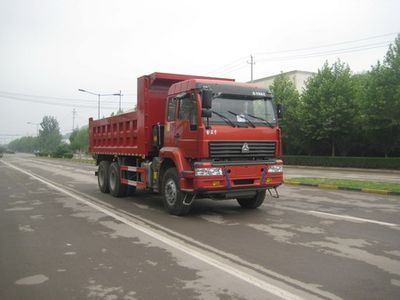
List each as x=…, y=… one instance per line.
x=343, y=173
x=60, y=238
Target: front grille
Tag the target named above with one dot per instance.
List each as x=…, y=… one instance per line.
x=236, y=150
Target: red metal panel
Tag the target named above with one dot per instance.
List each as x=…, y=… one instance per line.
x=114, y=135
x=130, y=133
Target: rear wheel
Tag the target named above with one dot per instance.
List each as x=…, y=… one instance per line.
x=252, y=202
x=102, y=176
x=117, y=189
x=173, y=197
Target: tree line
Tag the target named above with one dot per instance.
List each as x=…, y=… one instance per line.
x=343, y=114
x=49, y=140
x=337, y=114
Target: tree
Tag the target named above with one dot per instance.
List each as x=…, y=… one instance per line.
x=49, y=135
x=285, y=93
x=330, y=109
x=79, y=139
x=24, y=144
x=361, y=143
x=381, y=102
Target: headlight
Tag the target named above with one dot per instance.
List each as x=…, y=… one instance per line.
x=207, y=171
x=275, y=169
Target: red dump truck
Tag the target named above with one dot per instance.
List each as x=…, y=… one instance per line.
x=191, y=137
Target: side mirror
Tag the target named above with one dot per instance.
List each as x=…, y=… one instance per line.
x=206, y=113
x=206, y=99
x=279, y=111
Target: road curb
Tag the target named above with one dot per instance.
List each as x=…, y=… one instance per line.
x=335, y=187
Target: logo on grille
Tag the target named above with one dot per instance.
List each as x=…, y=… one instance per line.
x=245, y=148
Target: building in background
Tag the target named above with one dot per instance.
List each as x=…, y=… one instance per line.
x=298, y=77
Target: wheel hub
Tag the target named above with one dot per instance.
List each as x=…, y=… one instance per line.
x=112, y=180
x=170, y=192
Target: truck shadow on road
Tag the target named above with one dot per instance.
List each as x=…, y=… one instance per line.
x=145, y=203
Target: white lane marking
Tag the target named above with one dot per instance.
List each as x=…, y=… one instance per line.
x=334, y=216
x=192, y=251
x=352, y=218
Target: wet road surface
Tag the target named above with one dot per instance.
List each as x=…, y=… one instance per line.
x=60, y=238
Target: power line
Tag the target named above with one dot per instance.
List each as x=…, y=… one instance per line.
x=229, y=65
x=235, y=66
x=6, y=134
x=329, y=52
x=233, y=70
x=319, y=54
x=237, y=63
x=327, y=45
x=49, y=103
x=21, y=95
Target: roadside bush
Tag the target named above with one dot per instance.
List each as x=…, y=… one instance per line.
x=68, y=155
x=343, y=162
x=62, y=151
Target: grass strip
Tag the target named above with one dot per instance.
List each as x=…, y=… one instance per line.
x=75, y=160
x=371, y=186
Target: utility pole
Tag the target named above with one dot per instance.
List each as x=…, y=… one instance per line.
x=73, y=119
x=120, y=95
x=251, y=62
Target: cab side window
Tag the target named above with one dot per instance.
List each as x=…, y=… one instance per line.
x=171, y=113
x=188, y=111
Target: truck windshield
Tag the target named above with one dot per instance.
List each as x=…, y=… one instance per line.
x=243, y=111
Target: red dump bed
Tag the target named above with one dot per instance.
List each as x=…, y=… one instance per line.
x=130, y=133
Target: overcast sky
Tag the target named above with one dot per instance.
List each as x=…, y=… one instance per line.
x=50, y=48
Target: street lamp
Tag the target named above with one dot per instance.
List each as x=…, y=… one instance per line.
x=98, y=98
x=37, y=126
x=120, y=95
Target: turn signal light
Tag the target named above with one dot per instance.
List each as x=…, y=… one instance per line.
x=216, y=183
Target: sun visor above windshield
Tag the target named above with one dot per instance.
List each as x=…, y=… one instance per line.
x=236, y=89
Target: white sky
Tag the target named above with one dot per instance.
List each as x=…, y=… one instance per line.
x=51, y=48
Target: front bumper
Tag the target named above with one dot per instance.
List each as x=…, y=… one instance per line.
x=234, y=178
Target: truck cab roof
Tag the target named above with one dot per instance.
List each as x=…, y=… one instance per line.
x=219, y=86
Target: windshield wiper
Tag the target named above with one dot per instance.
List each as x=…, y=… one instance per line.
x=242, y=116
x=224, y=118
x=261, y=119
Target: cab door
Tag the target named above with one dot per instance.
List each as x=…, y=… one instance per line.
x=186, y=125
x=170, y=123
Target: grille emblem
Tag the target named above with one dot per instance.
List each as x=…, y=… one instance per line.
x=245, y=148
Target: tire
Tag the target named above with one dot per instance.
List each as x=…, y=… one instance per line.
x=117, y=189
x=102, y=176
x=252, y=202
x=172, y=195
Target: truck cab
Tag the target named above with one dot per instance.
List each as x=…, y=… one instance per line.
x=225, y=138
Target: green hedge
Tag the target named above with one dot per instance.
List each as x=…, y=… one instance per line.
x=392, y=163
x=62, y=155
x=68, y=155
x=42, y=154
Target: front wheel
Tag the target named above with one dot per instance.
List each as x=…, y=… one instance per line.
x=252, y=202
x=173, y=197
